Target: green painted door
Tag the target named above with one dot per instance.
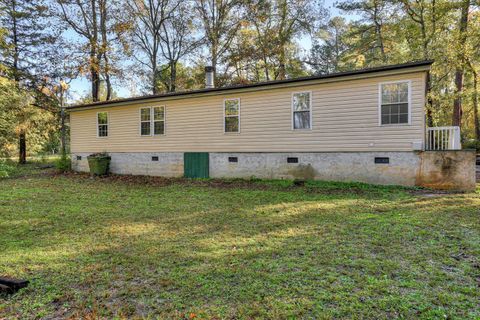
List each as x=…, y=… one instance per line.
x=195, y=164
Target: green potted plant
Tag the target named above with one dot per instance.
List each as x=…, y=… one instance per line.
x=99, y=163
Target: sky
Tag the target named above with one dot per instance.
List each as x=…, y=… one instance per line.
x=81, y=87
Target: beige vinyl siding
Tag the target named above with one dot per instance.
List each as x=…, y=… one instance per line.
x=345, y=117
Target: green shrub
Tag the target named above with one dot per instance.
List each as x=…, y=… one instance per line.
x=63, y=164
x=6, y=169
x=471, y=144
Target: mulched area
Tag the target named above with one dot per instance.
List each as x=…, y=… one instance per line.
x=231, y=183
x=164, y=181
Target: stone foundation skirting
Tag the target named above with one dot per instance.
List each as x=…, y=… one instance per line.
x=434, y=169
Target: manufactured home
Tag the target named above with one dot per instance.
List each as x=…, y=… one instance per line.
x=365, y=125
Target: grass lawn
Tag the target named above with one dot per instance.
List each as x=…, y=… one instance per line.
x=124, y=247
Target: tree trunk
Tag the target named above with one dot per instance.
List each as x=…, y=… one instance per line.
x=173, y=76
x=63, y=138
x=283, y=39
x=337, y=49
x=214, y=64
x=94, y=54
x=94, y=73
x=267, y=73
x=475, y=106
x=103, y=27
x=153, y=60
x=22, y=136
x=154, y=76
x=282, y=73
x=22, y=147
x=429, y=106
x=108, y=82
x=457, y=104
x=378, y=33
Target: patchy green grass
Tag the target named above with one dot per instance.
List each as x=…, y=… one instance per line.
x=144, y=247
x=10, y=168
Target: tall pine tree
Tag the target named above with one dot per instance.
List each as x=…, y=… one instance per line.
x=28, y=40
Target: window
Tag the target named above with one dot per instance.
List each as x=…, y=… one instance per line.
x=145, y=121
x=158, y=120
x=302, y=109
x=231, y=115
x=394, y=103
x=152, y=121
x=102, y=124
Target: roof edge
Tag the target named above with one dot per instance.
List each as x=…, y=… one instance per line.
x=407, y=65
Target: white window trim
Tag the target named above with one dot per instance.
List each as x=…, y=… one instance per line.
x=409, y=101
x=108, y=125
x=152, y=121
x=224, y=115
x=310, y=110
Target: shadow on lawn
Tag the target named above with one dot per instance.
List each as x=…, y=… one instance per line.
x=300, y=263
x=263, y=209
x=244, y=252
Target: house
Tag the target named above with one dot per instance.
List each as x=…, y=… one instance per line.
x=366, y=125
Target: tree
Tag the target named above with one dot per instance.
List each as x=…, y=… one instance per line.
x=186, y=77
x=424, y=26
x=245, y=60
x=330, y=47
x=177, y=39
x=459, y=68
x=18, y=113
x=371, y=28
x=472, y=56
x=10, y=106
x=277, y=24
x=98, y=23
x=28, y=45
x=148, y=18
x=293, y=19
x=424, y=14
x=476, y=119
x=221, y=22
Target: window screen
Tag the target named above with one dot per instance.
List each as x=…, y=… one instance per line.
x=232, y=115
x=102, y=124
x=152, y=121
x=301, y=110
x=394, y=105
x=145, y=124
x=159, y=120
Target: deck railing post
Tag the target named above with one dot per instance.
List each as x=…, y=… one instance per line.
x=456, y=139
x=443, y=138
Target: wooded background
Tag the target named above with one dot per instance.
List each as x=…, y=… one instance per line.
x=154, y=46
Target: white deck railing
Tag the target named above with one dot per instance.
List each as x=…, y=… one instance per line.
x=443, y=138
